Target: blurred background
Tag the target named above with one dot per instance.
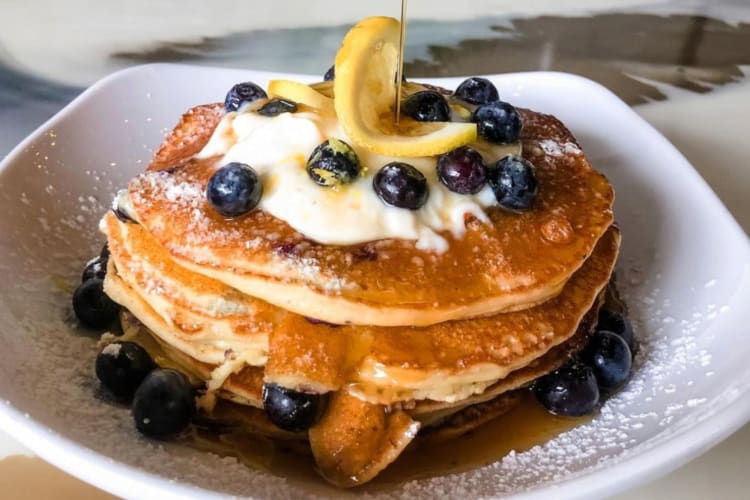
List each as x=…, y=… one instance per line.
x=683, y=64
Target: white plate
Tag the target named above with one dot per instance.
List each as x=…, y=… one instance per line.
x=685, y=271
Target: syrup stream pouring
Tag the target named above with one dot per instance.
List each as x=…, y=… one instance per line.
x=400, y=68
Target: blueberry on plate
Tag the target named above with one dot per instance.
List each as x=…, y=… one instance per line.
x=427, y=106
x=122, y=207
x=513, y=181
x=462, y=170
x=163, y=404
x=291, y=410
x=333, y=163
x=243, y=94
x=234, y=190
x=570, y=391
x=95, y=268
x=92, y=307
x=122, y=366
x=401, y=185
x=275, y=107
x=617, y=323
x=498, y=122
x=105, y=252
x=609, y=357
x=330, y=74
x=477, y=90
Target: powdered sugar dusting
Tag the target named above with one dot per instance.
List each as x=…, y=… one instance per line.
x=557, y=149
x=46, y=364
x=112, y=349
x=668, y=352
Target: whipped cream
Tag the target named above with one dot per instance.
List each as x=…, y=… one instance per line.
x=277, y=148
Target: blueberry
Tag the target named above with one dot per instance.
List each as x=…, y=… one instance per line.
x=477, y=90
x=120, y=205
x=122, y=366
x=570, y=391
x=332, y=163
x=95, y=268
x=427, y=106
x=242, y=94
x=330, y=74
x=462, y=170
x=613, y=321
x=275, y=107
x=234, y=190
x=163, y=404
x=498, y=122
x=122, y=216
x=609, y=357
x=92, y=306
x=513, y=181
x=105, y=253
x=291, y=410
x=401, y=185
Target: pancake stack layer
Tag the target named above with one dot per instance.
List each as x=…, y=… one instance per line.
x=402, y=342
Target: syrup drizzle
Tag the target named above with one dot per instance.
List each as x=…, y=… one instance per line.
x=400, y=68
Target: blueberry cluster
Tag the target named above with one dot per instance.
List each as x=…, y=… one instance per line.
x=463, y=170
x=497, y=121
x=601, y=368
x=163, y=400
x=93, y=308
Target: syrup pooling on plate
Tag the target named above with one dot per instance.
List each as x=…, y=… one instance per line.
x=202, y=260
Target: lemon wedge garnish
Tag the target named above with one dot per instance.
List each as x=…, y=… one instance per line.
x=365, y=95
x=302, y=94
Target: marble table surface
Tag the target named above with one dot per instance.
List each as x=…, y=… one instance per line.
x=682, y=64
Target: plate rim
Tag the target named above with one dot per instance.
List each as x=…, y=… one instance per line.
x=625, y=473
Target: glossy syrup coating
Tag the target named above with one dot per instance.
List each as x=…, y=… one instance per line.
x=319, y=357
x=427, y=106
x=333, y=163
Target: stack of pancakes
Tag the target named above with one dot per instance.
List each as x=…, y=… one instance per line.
x=404, y=343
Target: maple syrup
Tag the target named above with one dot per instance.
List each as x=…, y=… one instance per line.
x=526, y=425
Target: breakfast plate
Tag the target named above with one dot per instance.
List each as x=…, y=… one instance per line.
x=684, y=272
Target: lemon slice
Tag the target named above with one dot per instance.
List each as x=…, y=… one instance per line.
x=325, y=88
x=365, y=94
x=302, y=94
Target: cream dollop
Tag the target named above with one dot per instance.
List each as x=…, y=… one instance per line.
x=278, y=149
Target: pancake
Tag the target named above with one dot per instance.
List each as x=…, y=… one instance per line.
x=245, y=386
x=446, y=362
x=356, y=439
x=513, y=262
x=201, y=317
x=358, y=311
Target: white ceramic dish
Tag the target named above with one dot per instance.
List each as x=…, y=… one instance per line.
x=684, y=269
